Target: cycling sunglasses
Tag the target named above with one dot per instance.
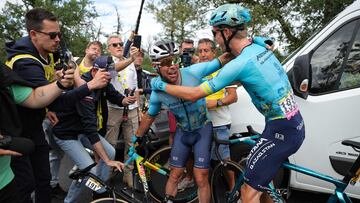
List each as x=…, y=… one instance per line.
x=169, y=61
x=120, y=44
x=51, y=34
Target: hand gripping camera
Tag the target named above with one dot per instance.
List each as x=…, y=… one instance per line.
x=186, y=57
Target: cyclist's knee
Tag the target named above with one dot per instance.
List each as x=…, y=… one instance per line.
x=176, y=174
x=201, y=177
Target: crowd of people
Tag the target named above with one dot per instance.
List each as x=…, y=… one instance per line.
x=97, y=105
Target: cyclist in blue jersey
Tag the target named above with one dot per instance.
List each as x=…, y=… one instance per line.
x=265, y=80
x=194, y=128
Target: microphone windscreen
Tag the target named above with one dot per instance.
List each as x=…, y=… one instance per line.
x=22, y=145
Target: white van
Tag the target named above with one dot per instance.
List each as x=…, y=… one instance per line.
x=330, y=60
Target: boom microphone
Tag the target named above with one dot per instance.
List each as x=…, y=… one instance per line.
x=18, y=144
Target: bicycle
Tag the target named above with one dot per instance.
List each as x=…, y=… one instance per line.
x=233, y=195
x=157, y=171
x=96, y=184
x=153, y=173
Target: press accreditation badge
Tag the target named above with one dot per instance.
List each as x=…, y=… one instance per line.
x=288, y=106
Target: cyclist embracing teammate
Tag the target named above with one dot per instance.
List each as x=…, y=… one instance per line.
x=265, y=80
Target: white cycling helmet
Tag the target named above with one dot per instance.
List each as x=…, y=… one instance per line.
x=162, y=49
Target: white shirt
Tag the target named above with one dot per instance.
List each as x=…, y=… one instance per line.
x=126, y=78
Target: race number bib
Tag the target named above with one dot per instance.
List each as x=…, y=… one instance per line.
x=288, y=106
x=93, y=184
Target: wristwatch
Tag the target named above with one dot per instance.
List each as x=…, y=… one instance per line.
x=61, y=86
x=219, y=103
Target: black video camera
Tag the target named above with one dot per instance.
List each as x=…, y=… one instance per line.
x=186, y=56
x=66, y=58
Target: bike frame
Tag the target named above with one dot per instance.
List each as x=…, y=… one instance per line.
x=339, y=184
x=140, y=163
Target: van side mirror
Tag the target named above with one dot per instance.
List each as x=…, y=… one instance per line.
x=300, y=76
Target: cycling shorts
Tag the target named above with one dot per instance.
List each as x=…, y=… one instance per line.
x=223, y=133
x=172, y=122
x=198, y=141
x=280, y=139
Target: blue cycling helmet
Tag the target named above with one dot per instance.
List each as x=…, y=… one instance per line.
x=232, y=15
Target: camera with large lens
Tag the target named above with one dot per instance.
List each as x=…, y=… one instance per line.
x=186, y=56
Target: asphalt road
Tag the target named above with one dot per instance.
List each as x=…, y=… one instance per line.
x=66, y=165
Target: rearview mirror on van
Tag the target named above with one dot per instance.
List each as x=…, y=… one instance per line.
x=299, y=76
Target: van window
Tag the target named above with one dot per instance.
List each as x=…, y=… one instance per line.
x=351, y=76
x=330, y=69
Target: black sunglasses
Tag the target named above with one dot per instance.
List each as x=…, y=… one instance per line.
x=51, y=34
x=117, y=44
x=214, y=32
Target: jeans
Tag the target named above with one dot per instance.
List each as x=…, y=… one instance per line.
x=75, y=149
x=223, y=133
x=55, y=154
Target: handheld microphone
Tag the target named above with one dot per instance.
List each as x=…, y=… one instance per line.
x=18, y=144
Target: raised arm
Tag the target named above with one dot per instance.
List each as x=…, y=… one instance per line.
x=204, y=69
x=226, y=77
x=127, y=61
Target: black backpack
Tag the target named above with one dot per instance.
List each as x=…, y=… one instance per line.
x=10, y=123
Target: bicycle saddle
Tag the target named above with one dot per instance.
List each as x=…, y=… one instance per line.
x=81, y=172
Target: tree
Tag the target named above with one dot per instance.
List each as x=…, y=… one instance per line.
x=293, y=21
x=180, y=18
x=118, y=20
x=76, y=17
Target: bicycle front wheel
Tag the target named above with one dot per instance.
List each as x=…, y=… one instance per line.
x=157, y=182
x=223, y=179
x=108, y=200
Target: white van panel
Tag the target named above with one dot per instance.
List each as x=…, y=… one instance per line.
x=329, y=119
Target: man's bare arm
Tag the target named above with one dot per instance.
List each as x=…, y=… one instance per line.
x=42, y=96
x=145, y=124
x=126, y=62
x=231, y=97
x=187, y=93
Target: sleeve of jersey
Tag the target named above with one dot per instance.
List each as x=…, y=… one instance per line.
x=226, y=77
x=204, y=69
x=20, y=93
x=114, y=96
x=154, y=105
x=31, y=71
x=69, y=98
x=86, y=111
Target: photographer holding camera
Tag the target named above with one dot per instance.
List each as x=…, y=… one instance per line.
x=15, y=90
x=187, y=52
x=73, y=136
x=33, y=58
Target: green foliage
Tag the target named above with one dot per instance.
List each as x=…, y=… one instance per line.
x=180, y=18
x=293, y=21
x=76, y=17
x=147, y=64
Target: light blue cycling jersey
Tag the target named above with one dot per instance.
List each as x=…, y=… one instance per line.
x=189, y=115
x=263, y=77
